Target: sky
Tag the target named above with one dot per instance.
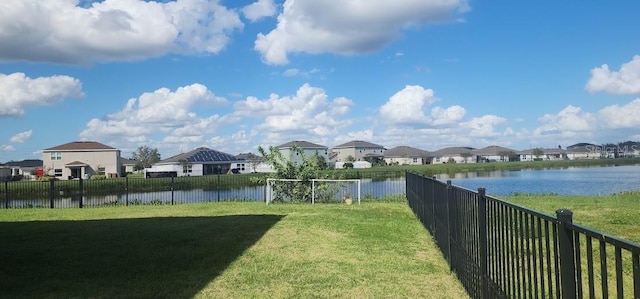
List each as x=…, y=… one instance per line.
x=237, y=74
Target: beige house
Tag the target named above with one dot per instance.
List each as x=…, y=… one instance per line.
x=454, y=155
x=358, y=150
x=81, y=159
x=406, y=155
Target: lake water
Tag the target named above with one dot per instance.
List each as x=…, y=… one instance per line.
x=567, y=181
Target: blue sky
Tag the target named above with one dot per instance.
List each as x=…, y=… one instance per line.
x=233, y=75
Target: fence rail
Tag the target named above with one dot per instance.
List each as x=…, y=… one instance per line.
x=167, y=191
x=502, y=250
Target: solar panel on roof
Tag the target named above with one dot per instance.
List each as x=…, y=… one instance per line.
x=210, y=156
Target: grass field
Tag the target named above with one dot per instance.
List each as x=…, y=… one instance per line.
x=222, y=250
x=615, y=214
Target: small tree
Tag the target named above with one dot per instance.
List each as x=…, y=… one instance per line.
x=303, y=168
x=145, y=156
x=537, y=152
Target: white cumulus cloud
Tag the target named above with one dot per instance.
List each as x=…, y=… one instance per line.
x=21, y=137
x=625, y=116
x=309, y=111
x=349, y=26
x=624, y=81
x=447, y=116
x=569, y=122
x=62, y=31
x=407, y=105
x=19, y=92
x=483, y=126
x=259, y=10
x=160, y=111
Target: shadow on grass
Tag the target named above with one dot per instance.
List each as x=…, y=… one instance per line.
x=172, y=257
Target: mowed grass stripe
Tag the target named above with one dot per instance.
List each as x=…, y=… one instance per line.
x=222, y=250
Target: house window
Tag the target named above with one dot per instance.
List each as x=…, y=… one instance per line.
x=415, y=160
x=57, y=172
x=187, y=168
x=56, y=156
x=101, y=170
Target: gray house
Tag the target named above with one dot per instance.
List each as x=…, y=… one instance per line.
x=198, y=162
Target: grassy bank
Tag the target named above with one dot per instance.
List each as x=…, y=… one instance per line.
x=222, y=250
x=615, y=214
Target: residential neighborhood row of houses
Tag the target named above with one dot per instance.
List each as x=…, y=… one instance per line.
x=83, y=159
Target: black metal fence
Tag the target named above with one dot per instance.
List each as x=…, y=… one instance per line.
x=502, y=250
x=165, y=191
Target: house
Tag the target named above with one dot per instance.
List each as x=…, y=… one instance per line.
x=584, y=151
x=128, y=165
x=198, y=162
x=26, y=168
x=254, y=163
x=81, y=159
x=308, y=150
x=454, y=155
x=546, y=154
x=494, y=153
x=406, y=155
x=358, y=150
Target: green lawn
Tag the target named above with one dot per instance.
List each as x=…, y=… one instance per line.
x=615, y=214
x=222, y=250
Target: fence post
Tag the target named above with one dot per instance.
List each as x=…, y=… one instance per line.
x=482, y=240
x=80, y=191
x=6, y=194
x=450, y=225
x=566, y=252
x=172, y=190
x=52, y=189
x=433, y=205
x=218, y=189
x=126, y=191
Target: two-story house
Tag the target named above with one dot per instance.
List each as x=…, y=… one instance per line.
x=81, y=159
x=358, y=150
x=308, y=150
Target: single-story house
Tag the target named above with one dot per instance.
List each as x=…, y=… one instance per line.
x=198, y=162
x=454, y=155
x=546, y=154
x=406, y=155
x=26, y=168
x=128, y=165
x=81, y=159
x=494, y=153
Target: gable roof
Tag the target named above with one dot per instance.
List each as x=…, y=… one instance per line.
x=455, y=150
x=359, y=144
x=201, y=155
x=81, y=146
x=405, y=151
x=300, y=144
x=545, y=151
x=492, y=150
x=25, y=163
x=125, y=161
x=249, y=157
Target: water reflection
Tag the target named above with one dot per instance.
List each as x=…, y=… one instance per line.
x=566, y=181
